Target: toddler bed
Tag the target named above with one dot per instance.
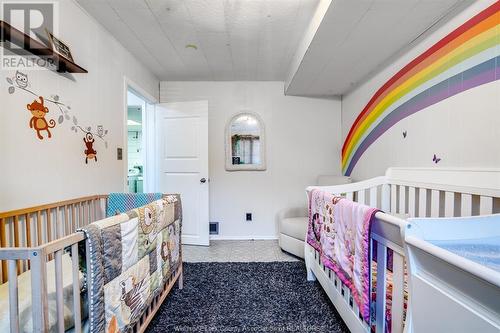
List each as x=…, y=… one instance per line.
x=401, y=194
x=43, y=242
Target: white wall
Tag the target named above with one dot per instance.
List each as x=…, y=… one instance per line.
x=36, y=171
x=463, y=130
x=303, y=141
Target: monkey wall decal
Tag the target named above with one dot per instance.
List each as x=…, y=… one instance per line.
x=37, y=122
x=90, y=152
x=19, y=83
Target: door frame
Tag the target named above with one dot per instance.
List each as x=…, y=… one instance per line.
x=148, y=119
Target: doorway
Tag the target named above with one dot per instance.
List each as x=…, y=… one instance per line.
x=138, y=135
x=136, y=107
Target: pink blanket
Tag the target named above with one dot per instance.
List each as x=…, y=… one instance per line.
x=339, y=230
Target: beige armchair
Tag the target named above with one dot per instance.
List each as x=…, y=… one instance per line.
x=292, y=222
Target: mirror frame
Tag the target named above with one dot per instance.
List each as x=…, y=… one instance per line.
x=229, y=158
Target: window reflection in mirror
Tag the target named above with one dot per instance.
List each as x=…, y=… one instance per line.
x=245, y=143
x=245, y=140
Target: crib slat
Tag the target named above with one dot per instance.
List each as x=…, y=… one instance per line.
x=373, y=197
x=59, y=291
x=485, y=205
x=397, y=292
x=13, y=297
x=94, y=209
x=434, y=203
x=39, y=292
x=27, y=218
x=381, y=288
x=361, y=196
x=85, y=213
x=89, y=206
x=411, y=201
x=67, y=224
x=394, y=199
x=76, y=289
x=422, y=202
x=27, y=221
x=386, y=198
x=449, y=204
x=466, y=205
x=39, y=228
x=73, y=218
x=59, y=225
x=349, y=196
x=16, y=239
x=49, y=226
x=3, y=243
x=402, y=199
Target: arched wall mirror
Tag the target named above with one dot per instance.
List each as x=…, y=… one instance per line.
x=245, y=143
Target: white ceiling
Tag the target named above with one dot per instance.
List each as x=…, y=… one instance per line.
x=235, y=39
x=357, y=37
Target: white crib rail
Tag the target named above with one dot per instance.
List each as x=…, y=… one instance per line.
x=387, y=236
x=400, y=194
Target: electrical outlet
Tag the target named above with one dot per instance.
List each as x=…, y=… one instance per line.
x=249, y=217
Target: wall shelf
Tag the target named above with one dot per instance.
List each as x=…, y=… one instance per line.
x=25, y=42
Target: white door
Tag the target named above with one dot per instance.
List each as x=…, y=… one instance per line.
x=182, y=163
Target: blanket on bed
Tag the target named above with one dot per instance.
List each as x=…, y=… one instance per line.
x=339, y=230
x=123, y=202
x=131, y=256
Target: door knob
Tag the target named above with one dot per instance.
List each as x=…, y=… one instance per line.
x=203, y=180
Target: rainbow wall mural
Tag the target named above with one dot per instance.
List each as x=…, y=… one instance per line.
x=466, y=58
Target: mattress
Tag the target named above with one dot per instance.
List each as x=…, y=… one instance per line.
x=24, y=292
x=484, y=251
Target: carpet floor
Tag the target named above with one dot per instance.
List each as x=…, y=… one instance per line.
x=247, y=297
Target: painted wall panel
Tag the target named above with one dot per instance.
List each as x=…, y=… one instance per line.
x=36, y=171
x=444, y=94
x=303, y=141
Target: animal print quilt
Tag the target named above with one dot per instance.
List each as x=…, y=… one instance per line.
x=131, y=256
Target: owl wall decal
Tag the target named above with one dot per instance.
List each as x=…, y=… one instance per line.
x=21, y=79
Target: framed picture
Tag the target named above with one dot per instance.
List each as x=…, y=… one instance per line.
x=59, y=46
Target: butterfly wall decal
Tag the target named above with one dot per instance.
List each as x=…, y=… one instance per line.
x=404, y=134
x=436, y=159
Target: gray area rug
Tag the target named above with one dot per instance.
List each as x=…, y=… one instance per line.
x=247, y=297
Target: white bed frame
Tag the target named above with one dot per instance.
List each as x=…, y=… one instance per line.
x=400, y=194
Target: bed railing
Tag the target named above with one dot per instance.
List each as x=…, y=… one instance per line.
x=39, y=225
x=400, y=194
x=37, y=257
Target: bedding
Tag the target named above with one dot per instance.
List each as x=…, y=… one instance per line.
x=132, y=255
x=123, y=202
x=339, y=230
x=388, y=307
x=24, y=292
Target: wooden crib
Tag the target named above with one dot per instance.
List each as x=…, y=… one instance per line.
x=31, y=238
x=400, y=194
